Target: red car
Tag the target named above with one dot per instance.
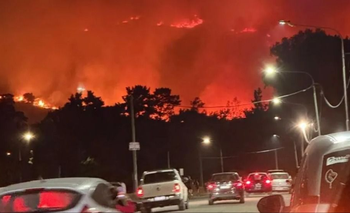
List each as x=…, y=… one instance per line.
x=258, y=182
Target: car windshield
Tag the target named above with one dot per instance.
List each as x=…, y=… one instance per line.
x=276, y=176
x=224, y=177
x=39, y=201
x=159, y=177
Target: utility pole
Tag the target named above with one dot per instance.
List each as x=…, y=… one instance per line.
x=276, y=159
x=295, y=155
x=168, y=158
x=134, y=152
x=221, y=160
x=201, y=168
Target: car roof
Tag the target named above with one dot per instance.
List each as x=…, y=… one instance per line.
x=260, y=173
x=226, y=173
x=78, y=184
x=158, y=171
x=316, y=150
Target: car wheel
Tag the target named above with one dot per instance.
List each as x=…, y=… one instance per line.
x=187, y=204
x=211, y=202
x=182, y=205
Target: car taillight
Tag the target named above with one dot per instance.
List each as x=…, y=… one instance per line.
x=177, y=188
x=239, y=184
x=211, y=186
x=248, y=182
x=139, y=192
x=267, y=181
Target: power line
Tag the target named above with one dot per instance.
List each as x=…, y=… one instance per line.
x=254, y=102
x=246, y=153
x=341, y=100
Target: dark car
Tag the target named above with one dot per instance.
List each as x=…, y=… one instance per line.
x=225, y=186
x=258, y=182
x=322, y=176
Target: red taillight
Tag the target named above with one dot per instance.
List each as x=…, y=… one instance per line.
x=248, y=182
x=177, y=188
x=139, y=192
x=239, y=184
x=267, y=181
x=211, y=186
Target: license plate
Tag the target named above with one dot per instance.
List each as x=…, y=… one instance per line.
x=279, y=188
x=224, y=187
x=258, y=186
x=159, y=198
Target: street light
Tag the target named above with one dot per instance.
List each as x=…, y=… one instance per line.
x=276, y=101
x=28, y=136
x=269, y=70
x=275, y=139
x=289, y=23
x=206, y=141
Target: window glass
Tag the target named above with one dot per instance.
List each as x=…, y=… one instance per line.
x=159, y=177
x=225, y=177
x=333, y=173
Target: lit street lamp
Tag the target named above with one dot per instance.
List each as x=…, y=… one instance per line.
x=276, y=101
x=270, y=70
x=28, y=136
x=289, y=23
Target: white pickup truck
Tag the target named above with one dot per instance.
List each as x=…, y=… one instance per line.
x=162, y=188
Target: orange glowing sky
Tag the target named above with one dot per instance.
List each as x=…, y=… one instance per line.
x=207, y=48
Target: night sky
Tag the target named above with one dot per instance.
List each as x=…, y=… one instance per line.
x=214, y=49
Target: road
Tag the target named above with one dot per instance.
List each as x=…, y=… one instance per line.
x=201, y=205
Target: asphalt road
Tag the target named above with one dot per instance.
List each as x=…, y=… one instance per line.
x=201, y=205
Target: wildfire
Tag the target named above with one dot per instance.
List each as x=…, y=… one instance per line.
x=248, y=30
x=188, y=23
x=37, y=102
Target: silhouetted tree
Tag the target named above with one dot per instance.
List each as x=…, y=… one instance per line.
x=92, y=102
x=164, y=102
x=196, y=104
x=259, y=106
x=143, y=101
x=29, y=97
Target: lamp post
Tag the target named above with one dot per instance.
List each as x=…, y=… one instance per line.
x=207, y=141
x=270, y=70
x=283, y=22
x=275, y=139
x=27, y=137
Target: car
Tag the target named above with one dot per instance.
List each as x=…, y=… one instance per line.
x=323, y=171
x=160, y=188
x=225, y=186
x=258, y=182
x=59, y=195
x=280, y=181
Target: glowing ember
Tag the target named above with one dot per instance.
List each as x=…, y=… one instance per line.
x=160, y=23
x=86, y=30
x=188, y=23
x=37, y=102
x=125, y=21
x=248, y=30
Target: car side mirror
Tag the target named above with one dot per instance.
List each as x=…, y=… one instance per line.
x=272, y=203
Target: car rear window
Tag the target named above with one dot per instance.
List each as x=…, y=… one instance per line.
x=159, y=177
x=35, y=200
x=224, y=177
x=257, y=176
x=279, y=176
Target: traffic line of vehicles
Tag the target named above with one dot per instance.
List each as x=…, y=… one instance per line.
x=229, y=185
